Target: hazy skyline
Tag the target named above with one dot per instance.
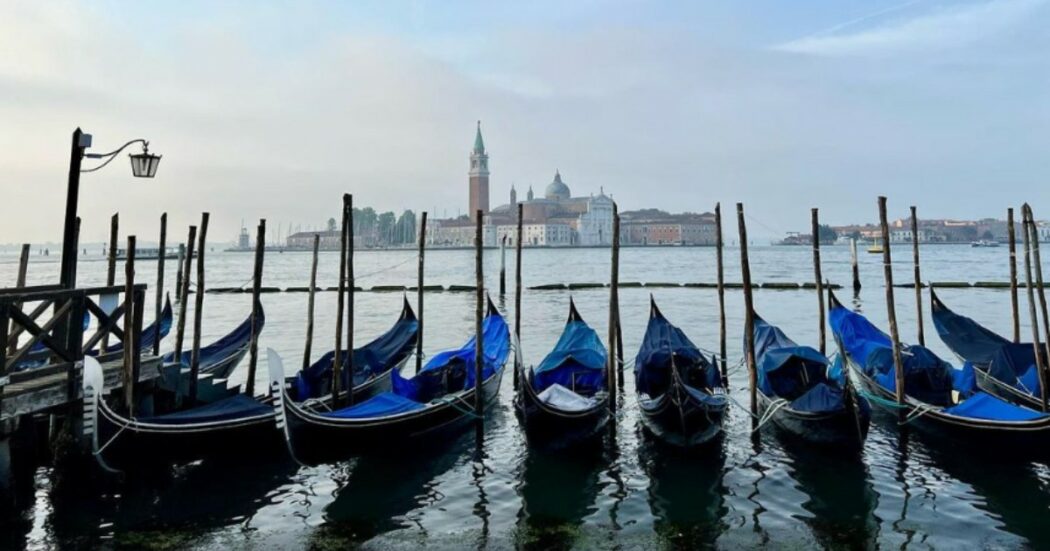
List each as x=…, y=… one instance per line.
x=274, y=110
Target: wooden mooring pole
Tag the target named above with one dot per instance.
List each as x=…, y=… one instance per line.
x=815, y=215
x=310, y=304
x=159, y=306
x=178, y=271
x=20, y=281
x=612, y=379
x=517, y=293
x=887, y=270
x=337, y=359
x=1012, y=240
x=749, y=315
x=918, y=275
x=479, y=309
x=1041, y=293
x=616, y=298
x=111, y=267
x=129, y=328
x=853, y=264
x=719, y=244
x=419, y=290
x=253, y=344
x=503, y=266
x=350, y=289
x=184, y=291
x=198, y=310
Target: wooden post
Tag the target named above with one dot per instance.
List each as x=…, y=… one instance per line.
x=517, y=292
x=1012, y=240
x=503, y=266
x=350, y=287
x=159, y=306
x=479, y=352
x=129, y=328
x=337, y=359
x=198, y=310
x=111, y=268
x=719, y=244
x=819, y=279
x=20, y=281
x=749, y=314
x=918, y=275
x=853, y=263
x=1041, y=293
x=310, y=304
x=1030, y=291
x=612, y=379
x=253, y=344
x=178, y=271
x=184, y=292
x=887, y=270
x=419, y=291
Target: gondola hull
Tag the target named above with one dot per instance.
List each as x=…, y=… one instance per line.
x=313, y=437
x=683, y=422
x=548, y=426
x=994, y=386
x=841, y=429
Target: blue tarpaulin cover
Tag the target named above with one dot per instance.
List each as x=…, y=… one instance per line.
x=146, y=338
x=237, y=406
x=985, y=406
x=374, y=358
x=784, y=367
x=224, y=347
x=820, y=398
x=662, y=341
x=429, y=382
x=576, y=362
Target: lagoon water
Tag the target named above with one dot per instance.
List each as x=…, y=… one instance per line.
x=628, y=492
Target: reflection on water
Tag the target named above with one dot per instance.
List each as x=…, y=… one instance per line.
x=625, y=492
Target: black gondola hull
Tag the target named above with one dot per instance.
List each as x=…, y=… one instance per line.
x=838, y=429
x=684, y=424
x=547, y=426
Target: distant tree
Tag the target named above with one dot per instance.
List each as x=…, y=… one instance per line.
x=987, y=235
x=406, y=227
x=855, y=234
x=385, y=227
x=827, y=233
x=331, y=224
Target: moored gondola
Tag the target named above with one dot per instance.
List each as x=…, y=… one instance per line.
x=219, y=358
x=223, y=418
x=680, y=391
x=938, y=398
x=564, y=400
x=804, y=395
x=441, y=397
x=1004, y=368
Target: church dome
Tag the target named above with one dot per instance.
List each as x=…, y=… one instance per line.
x=557, y=190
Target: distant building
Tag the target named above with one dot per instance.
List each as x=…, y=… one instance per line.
x=656, y=227
x=479, y=177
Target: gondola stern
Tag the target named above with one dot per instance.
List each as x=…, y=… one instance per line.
x=654, y=310
x=407, y=313
x=574, y=314
x=833, y=301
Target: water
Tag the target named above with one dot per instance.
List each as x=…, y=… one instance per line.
x=628, y=493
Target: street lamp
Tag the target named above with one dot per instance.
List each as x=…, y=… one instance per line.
x=143, y=165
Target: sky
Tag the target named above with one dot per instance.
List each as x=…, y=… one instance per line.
x=273, y=110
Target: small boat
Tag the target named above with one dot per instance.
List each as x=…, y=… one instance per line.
x=803, y=395
x=222, y=356
x=438, y=399
x=1005, y=368
x=939, y=399
x=875, y=247
x=565, y=399
x=224, y=418
x=680, y=391
x=984, y=243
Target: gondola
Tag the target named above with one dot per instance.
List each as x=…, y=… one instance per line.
x=938, y=398
x=564, y=400
x=148, y=336
x=1005, y=368
x=223, y=418
x=440, y=398
x=680, y=391
x=800, y=392
x=219, y=358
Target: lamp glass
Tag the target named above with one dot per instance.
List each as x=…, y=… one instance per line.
x=144, y=165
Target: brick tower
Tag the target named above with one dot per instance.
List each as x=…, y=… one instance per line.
x=479, y=176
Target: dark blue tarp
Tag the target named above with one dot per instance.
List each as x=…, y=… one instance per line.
x=237, y=406
x=652, y=366
x=223, y=348
x=576, y=362
x=985, y=406
x=380, y=405
x=785, y=369
x=820, y=398
x=374, y=358
x=146, y=338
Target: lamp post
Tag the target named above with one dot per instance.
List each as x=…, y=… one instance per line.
x=143, y=165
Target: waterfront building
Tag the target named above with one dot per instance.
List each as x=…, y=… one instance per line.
x=478, y=176
x=656, y=227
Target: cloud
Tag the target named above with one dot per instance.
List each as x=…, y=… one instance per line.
x=945, y=28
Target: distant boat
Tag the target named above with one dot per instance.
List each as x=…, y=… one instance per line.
x=875, y=247
x=984, y=243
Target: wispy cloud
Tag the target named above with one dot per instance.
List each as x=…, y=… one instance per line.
x=943, y=28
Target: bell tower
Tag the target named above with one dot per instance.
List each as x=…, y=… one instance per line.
x=479, y=176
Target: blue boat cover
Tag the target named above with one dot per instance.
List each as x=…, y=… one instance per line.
x=821, y=398
x=374, y=358
x=785, y=369
x=662, y=342
x=576, y=362
x=146, y=338
x=985, y=406
x=447, y=372
x=380, y=405
x=237, y=406
x=223, y=348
